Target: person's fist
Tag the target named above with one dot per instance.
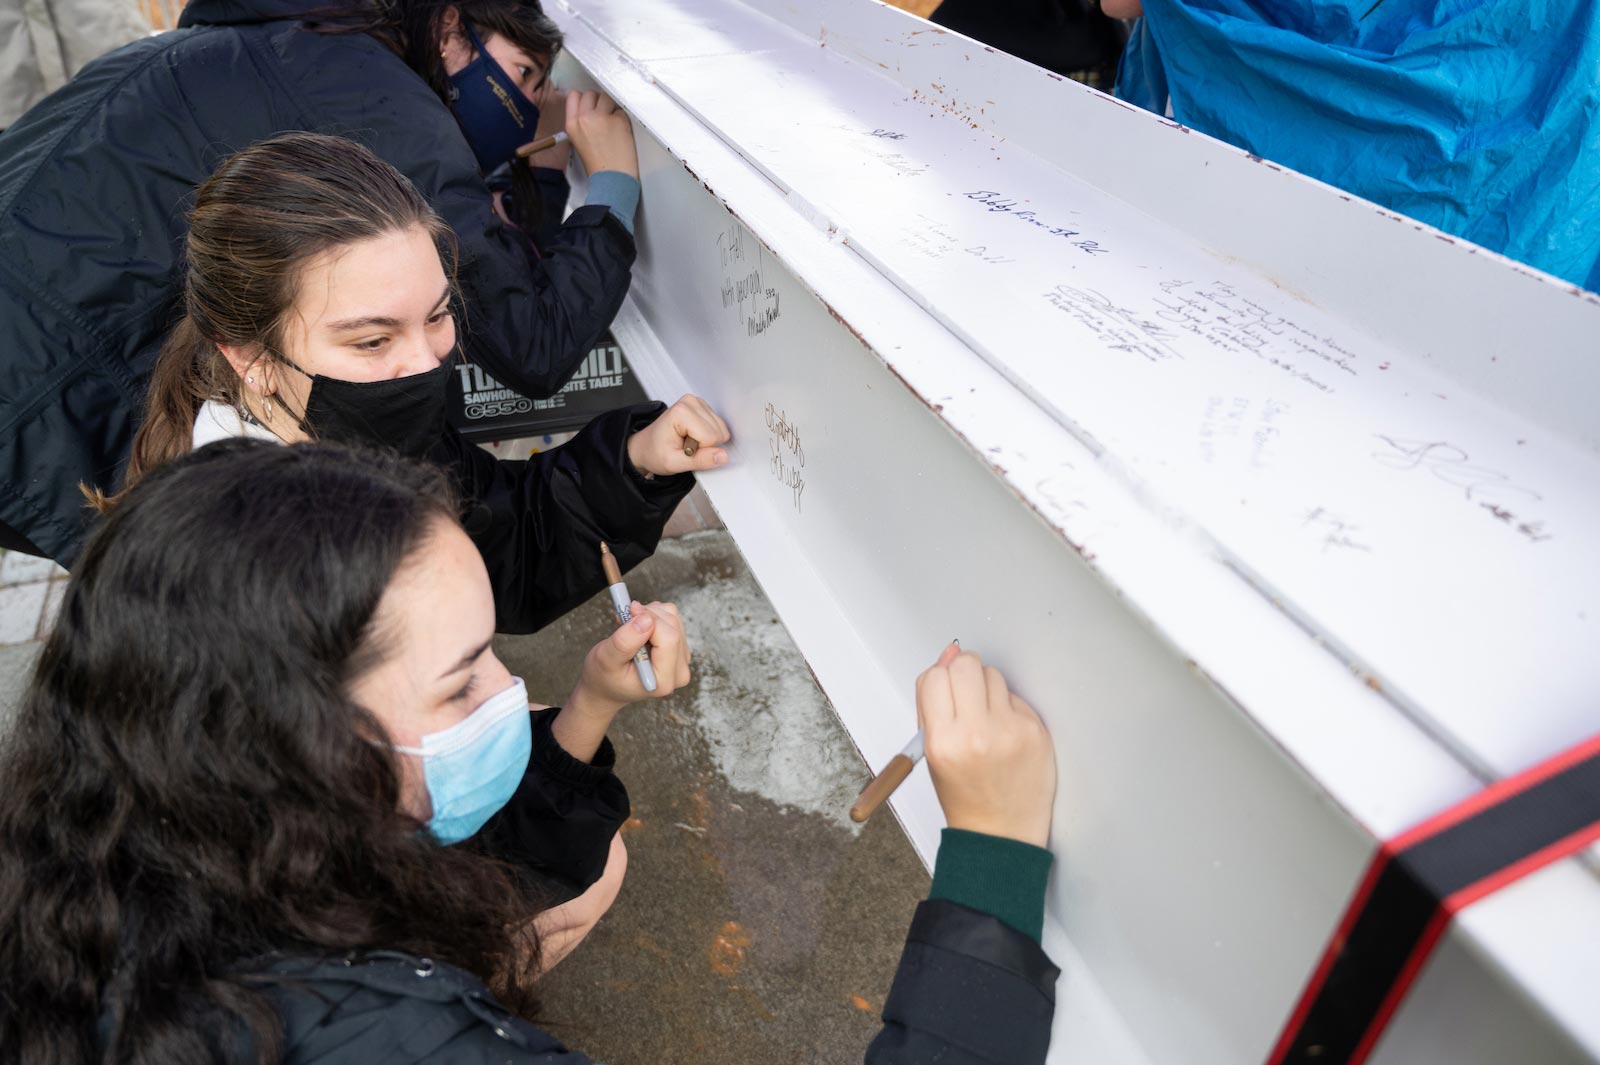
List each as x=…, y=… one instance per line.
x=991, y=759
x=601, y=133
x=609, y=675
x=659, y=448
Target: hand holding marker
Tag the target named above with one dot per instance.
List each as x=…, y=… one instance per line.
x=880, y=787
x=690, y=437
x=991, y=758
x=900, y=766
x=620, y=601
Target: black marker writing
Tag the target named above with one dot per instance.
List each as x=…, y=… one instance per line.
x=788, y=453
x=999, y=203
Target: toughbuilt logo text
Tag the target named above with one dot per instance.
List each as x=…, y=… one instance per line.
x=484, y=397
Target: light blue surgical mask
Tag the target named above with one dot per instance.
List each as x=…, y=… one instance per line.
x=474, y=766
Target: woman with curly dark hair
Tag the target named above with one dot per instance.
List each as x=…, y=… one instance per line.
x=270, y=697
x=269, y=703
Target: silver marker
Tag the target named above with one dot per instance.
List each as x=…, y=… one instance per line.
x=622, y=603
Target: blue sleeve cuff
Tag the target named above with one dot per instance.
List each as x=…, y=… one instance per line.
x=618, y=192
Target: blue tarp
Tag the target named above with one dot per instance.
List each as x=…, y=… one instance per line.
x=1480, y=117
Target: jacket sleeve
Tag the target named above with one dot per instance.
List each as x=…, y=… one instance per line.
x=553, y=192
x=560, y=821
x=970, y=990
x=535, y=314
x=394, y=1008
x=531, y=320
x=539, y=523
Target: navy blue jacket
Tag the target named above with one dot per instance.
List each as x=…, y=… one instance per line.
x=969, y=991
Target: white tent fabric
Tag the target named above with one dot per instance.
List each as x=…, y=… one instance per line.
x=43, y=43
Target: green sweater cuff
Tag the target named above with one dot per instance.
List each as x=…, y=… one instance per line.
x=1003, y=878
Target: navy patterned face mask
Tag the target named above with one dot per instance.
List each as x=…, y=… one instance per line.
x=494, y=114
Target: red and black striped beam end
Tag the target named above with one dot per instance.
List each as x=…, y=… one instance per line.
x=1417, y=881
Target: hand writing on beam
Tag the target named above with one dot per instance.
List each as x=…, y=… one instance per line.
x=658, y=449
x=992, y=761
x=552, y=104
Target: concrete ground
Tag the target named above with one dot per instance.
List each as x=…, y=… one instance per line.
x=757, y=924
x=30, y=595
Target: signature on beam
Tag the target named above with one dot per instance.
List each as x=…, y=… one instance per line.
x=1452, y=465
x=1334, y=530
x=999, y=203
x=1449, y=464
x=788, y=454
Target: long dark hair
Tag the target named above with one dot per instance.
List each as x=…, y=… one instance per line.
x=187, y=786
x=257, y=222
x=414, y=30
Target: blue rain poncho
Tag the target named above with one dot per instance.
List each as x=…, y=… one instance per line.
x=1480, y=117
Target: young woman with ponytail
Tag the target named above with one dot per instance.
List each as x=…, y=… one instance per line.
x=320, y=303
x=95, y=181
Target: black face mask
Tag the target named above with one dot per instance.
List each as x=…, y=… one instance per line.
x=406, y=414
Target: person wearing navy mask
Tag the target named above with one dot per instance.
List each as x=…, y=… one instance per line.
x=490, y=93
x=95, y=182
x=319, y=304
x=494, y=113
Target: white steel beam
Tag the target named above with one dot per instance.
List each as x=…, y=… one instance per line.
x=1278, y=506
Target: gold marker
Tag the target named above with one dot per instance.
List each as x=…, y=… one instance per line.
x=882, y=786
x=690, y=446
x=541, y=144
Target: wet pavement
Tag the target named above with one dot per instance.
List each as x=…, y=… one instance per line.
x=757, y=924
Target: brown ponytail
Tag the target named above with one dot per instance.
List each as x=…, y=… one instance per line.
x=189, y=372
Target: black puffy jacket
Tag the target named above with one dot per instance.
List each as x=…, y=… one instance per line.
x=558, y=825
x=969, y=991
x=538, y=523
x=94, y=185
